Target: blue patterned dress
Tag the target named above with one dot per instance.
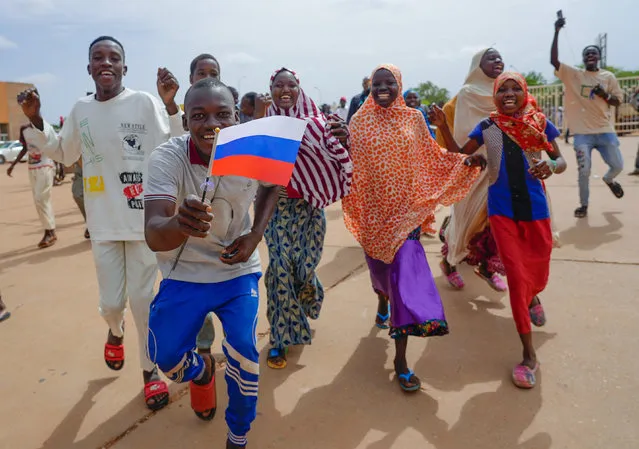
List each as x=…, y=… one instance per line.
x=295, y=239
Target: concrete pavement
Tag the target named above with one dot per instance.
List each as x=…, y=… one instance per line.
x=57, y=393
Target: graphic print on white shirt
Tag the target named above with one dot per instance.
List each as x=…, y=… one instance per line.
x=132, y=182
x=90, y=155
x=133, y=135
x=115, y=139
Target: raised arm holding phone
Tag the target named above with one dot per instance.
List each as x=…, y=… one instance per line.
x=590, y=95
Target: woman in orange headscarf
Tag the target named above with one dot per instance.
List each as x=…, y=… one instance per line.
x=515, y=137
x=400, y=174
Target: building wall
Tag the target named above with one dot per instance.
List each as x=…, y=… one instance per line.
x=10, y=110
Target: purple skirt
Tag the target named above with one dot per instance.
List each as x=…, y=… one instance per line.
x=408, y=283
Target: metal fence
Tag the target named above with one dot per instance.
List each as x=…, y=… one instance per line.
x=550, y=99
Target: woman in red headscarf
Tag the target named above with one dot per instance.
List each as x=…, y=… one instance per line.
x=515, y=137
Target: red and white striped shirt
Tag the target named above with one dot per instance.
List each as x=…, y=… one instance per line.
x=323, y=170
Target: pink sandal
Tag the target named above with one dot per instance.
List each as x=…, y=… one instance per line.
x=524, y=377
x=537, y=315
x=454, y=278
x=494, y=281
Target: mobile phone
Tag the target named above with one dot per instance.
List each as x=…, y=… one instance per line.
x=230, y=255
x=560, y=14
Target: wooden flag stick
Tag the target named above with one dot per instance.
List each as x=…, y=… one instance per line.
x=205, y=186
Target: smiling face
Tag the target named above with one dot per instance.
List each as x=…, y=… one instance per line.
x=591, y=59
x=412, y=100
x=208, y=108
x=285, y=90
x=106, y=67
x=384, y=88
x=205, y=68
x=491, y=63
x=510, y=97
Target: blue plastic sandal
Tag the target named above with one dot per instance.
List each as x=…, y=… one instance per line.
x=406, y=377
x=384, y=319
x=277, y=358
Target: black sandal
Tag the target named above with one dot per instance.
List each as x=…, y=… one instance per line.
x=616, y=188
x=581, y=211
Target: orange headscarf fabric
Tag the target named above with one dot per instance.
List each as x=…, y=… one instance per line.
x=400, y=174
x=527, y=127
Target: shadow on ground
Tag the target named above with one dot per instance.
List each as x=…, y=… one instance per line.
x=65, y=434
x=586, y=238
x=33, y=255
x=364, y=397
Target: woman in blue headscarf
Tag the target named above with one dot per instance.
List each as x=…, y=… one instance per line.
x=412, y=100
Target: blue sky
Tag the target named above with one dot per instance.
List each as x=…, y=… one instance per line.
x=332, y=44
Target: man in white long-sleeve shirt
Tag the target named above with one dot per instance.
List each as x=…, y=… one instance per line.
x=114, y=131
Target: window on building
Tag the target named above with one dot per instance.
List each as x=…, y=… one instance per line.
x=4, y=132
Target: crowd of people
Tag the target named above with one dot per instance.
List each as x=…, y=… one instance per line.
x=142, y=162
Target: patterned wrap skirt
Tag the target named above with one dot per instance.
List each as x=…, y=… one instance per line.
x=295, y=239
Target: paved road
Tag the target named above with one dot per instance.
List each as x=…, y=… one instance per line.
x=340, y=392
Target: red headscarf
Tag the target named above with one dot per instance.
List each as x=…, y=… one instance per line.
x=528, y=125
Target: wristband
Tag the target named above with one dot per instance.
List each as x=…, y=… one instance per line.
x=608, y=97
x=553, y=165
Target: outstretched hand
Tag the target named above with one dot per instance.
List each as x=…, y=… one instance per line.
x=168, y=86
x=29, y=100
x=338, y=128
x=262, y=103
x=436, y=116
x=540, y=169
x=560, y=23
x=476, y=160
x=194, y=217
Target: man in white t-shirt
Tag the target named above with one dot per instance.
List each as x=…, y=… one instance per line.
x=341, y=110
x=114, y=131
x=41, y=175
x=590, y=96
x=219, y=268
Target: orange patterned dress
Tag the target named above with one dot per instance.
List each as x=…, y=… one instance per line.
x=400, y=175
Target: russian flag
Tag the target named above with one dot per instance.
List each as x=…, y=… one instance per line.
x=263, y=149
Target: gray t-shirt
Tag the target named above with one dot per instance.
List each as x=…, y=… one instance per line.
x=176, y=171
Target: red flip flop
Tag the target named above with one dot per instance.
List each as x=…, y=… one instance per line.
x=158, y=390
x=114, y=354
x=204, y=397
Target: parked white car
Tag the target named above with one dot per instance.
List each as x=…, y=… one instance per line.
x=9, y=151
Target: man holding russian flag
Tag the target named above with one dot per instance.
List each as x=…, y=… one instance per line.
x=197, y=197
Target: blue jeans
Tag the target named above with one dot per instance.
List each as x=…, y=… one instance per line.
x=608, y=146
x=176, y=316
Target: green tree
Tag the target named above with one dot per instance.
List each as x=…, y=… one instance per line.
x=621, y=73
x=617, y=71
x=535, y=78
x=431, y=93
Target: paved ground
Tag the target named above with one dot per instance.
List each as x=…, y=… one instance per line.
x=340, y=392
